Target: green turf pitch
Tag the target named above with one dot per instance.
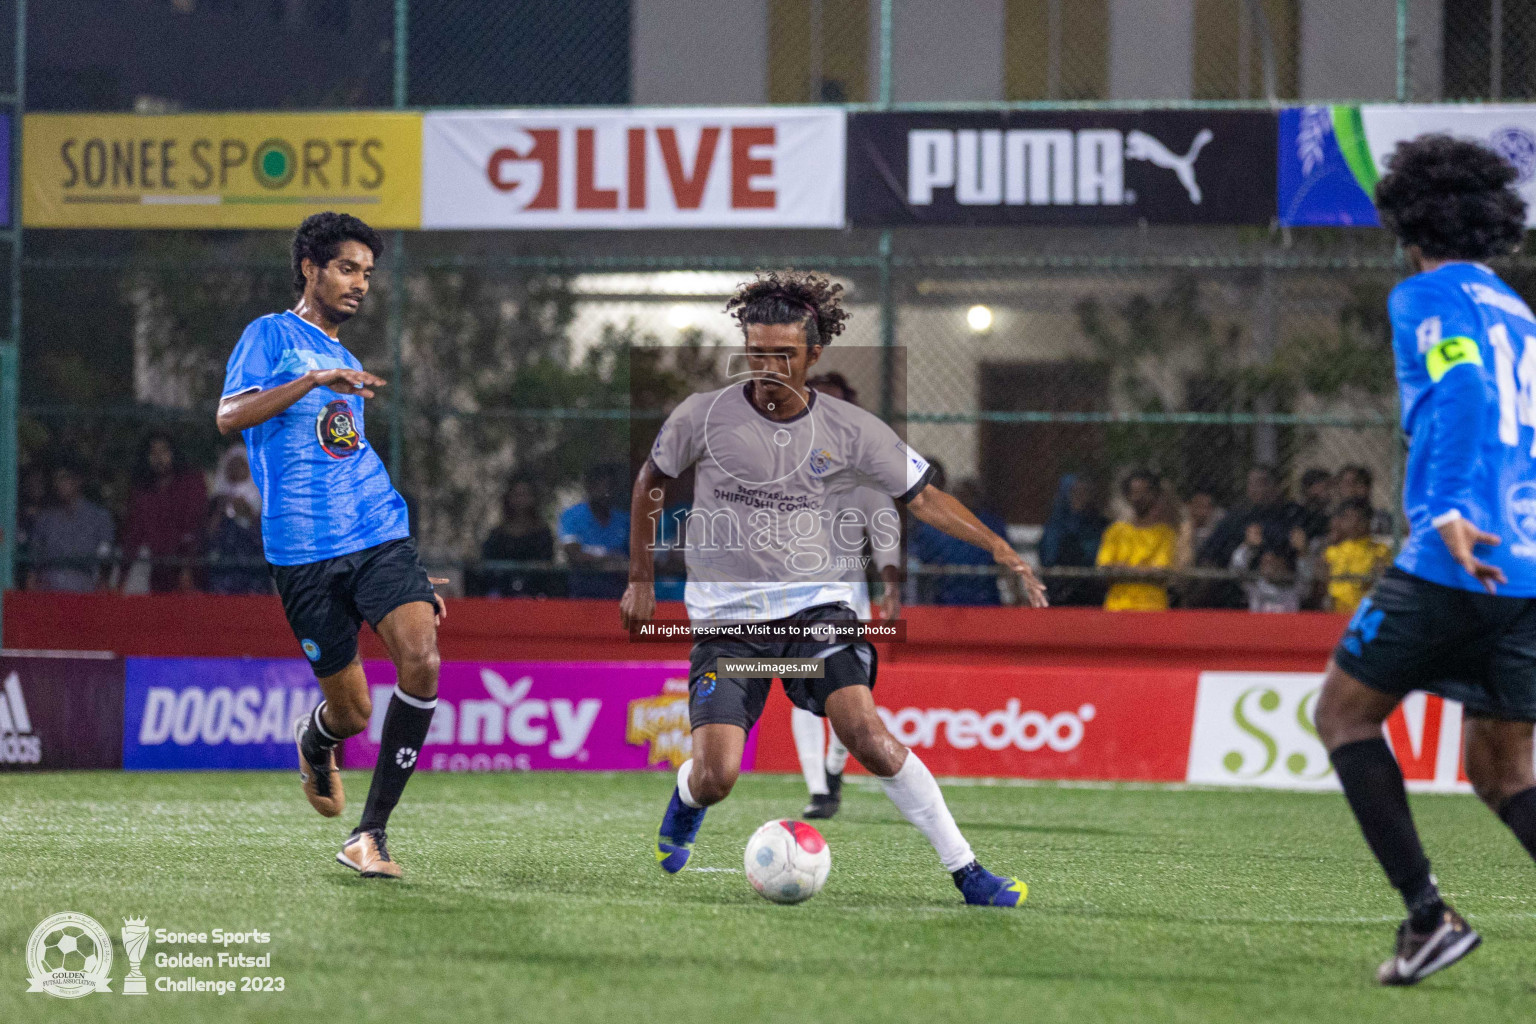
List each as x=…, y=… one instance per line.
x=536, y=898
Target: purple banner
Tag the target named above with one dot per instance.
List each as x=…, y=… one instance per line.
x=61, y=710
x=214, y=712
x=546, y=715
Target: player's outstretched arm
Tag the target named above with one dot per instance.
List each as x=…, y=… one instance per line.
x=943, y=512
x=638, y=604
x=241, y=412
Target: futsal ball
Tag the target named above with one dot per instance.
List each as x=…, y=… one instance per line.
x=787, y=861
x=70, y=949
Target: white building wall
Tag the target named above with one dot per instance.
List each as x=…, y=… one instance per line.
x=1151, y=49
x=711, y=52
x=1348, y=50
x=941, y=51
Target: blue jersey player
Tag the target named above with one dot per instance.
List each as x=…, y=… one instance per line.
x=1456, y=614
x=334, y=528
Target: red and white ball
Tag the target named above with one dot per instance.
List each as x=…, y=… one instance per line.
x=787, y=861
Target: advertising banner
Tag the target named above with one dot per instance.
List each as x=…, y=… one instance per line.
x=1078, y=167
x=1332, y=156
x=214, y=712
x=546, y=715
x=680, y=168
x=1255, y=729
x=219, y=170
x=1033, y=723
x=60, y=710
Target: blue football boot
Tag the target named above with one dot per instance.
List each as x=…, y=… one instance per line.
x=679, y=828
x=981, y=888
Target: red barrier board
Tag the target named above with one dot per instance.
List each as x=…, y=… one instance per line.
x=1034, y=723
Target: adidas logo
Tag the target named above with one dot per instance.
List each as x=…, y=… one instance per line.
x=17, y=744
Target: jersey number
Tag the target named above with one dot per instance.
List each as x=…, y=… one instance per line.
x=1517, y=385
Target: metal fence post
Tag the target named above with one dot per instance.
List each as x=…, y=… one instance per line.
x=886, y=15
x=1402, y=51
x=10, y=349
x=887, y=331
x=395, y=310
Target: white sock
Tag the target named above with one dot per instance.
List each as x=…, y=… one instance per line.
x=918, y=798
x=809, y=741
x=683, y=792
x=837, y=754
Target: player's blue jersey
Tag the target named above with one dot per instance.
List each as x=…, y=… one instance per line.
x=1465, y=346
x=324, y=490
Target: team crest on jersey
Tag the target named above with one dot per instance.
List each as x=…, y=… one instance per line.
x=821, y=461
x=1520, y=506
x=336, y=430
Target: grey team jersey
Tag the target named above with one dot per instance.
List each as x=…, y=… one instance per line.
x=884, y=534
x=776, y=525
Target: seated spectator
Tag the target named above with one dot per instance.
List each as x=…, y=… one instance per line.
x=167, y=511
x=1357, y=484
x=1265, y=504
x=1354, y=559
x=1317, y=499
x=521, y=536
x=1071, y=539
x=71, y=541
x=234, y=534
x=31, y=499
x=935, y=548
x=1277, y=588
x=595, y=536
x=1201, y=514
x=1143, y=542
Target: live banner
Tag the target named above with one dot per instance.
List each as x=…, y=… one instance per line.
x=998, y=168
x=219, y=170
x=763, y=167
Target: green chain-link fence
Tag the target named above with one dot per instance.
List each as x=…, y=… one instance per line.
x=1028, y=354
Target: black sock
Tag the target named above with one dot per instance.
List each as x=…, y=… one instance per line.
x=1373, y=785
x=1519, y=813
x=316, y=740
x=405, y=729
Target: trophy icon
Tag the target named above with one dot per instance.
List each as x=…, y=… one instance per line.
x=135, y=942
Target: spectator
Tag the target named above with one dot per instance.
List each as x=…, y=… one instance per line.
x=1317, y=500
x=1266, y=505
x=1276, y=587
x=934, y=547
x=1071, y=539
x=1357, y=484
x=1143, y=542
x=167, y=511
x=31, y=499
x=1354, y=559
x=71, y=541
x=595, y=536
x=234, y=531
x=1201, y=514
x=522, y=536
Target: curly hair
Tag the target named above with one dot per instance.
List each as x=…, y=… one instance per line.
x=1452, y=198
x=321, y=234
x=789, y=297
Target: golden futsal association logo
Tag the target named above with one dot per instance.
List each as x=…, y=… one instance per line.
x=69, y=955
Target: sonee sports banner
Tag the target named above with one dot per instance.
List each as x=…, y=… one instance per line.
x=1081, y=167
x=1332, y=156
x=685, y=168
x=219, y=170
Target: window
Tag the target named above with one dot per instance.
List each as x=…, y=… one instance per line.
x=1229, y=48
x=1056, y=50
x=818, y=51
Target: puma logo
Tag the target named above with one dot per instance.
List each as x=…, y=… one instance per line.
x=1141, y=146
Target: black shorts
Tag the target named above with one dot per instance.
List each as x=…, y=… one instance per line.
x=1467, y=646
x=739, y=700
x=327, y=602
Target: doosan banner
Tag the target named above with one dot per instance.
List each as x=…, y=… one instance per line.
x=679, y=168
x=1080, y=167
x=1332, y=156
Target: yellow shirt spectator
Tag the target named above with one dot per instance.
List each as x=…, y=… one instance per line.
x=1138, y=547
x=1360, y=557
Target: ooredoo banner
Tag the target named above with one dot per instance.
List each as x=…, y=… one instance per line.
x=1332, y=156
x=546, y=715
x=665, y=168
x=1034, y=723
x=1256, y=729
x=1078, y=167
x=60, y=710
